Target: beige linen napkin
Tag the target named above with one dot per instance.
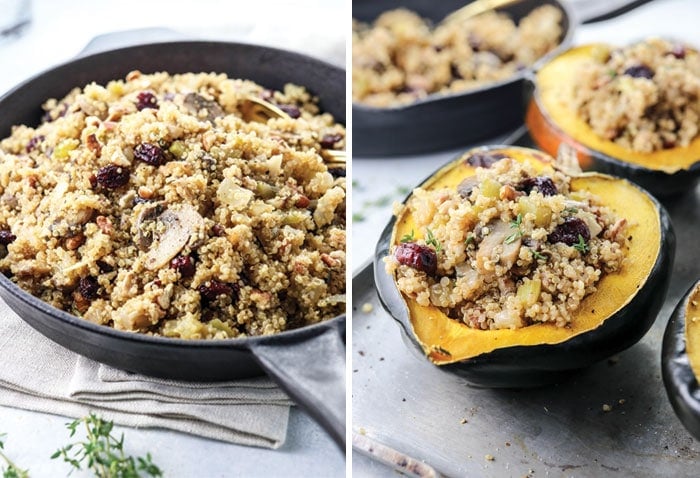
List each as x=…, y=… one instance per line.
x=37, y=374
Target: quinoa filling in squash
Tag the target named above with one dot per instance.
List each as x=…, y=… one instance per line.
x=508, y=247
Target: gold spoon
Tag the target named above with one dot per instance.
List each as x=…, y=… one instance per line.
x=334, y=156
x=258, y=110
x=476, y=8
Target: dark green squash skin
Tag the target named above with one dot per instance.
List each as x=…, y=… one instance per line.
x=659, y=183
x=680, y=381
x=532, y=366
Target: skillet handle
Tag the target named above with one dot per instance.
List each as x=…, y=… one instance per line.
x=312, y=372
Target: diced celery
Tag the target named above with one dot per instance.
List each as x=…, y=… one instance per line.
x=178, y=149
x=529, y=291
x=63, y=149
x=491, y=188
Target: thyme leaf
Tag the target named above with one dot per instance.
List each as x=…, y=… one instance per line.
x=581, y=245
x=515, y=224
x=10, y=470
x=431, y=240
x=408, y=237
x=538, y=256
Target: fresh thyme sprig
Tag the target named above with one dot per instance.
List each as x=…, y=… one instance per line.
x=431, y=240
x=471, y=239
x=102, y=453
x=538, y=256
x=408, y=237
x=515, y=224
x=10, y=470
x=581, y=245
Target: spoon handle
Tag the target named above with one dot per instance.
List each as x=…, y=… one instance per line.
x=476, y=8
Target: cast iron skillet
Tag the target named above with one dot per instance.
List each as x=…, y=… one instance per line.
x=439, y=122
x=308, y=363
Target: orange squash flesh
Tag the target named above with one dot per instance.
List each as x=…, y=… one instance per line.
x=552, y=119
x=445, y=340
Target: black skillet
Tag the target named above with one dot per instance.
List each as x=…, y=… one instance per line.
x=308, y=363
x=440, y=122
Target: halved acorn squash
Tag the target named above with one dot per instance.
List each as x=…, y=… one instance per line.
x=680, y=360
x=610, y=320
x=552, y=120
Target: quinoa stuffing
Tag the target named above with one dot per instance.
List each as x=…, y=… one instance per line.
x=644, y=97
x=164, y=205
x=401, y=58
x=508, y=247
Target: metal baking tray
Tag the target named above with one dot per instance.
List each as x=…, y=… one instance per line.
x=612, y=419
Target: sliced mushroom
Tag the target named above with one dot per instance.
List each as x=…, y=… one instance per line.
x=590, y=219
x=465, y=187
x=195, y=103
x=180, y=225
x=495, y=244
x=146, y=223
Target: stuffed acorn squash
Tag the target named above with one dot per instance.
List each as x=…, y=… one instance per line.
x=564, y=271
x=680, y=360
x=632, y=112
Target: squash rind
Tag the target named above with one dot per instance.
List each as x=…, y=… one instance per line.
x=536, y=363
x=678, y=368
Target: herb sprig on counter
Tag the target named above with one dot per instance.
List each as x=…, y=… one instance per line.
x=103, y=453
x=10, y=470
x=378, y=203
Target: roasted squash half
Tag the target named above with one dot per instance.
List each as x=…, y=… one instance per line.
x=610, y=320
x=680, y=360
x=551, y=120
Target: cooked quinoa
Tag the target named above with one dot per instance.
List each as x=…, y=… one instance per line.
x=401, y=58
x=644, y=97
x=508, y=247
x=156, y=204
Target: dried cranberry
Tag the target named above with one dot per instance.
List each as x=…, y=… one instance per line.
x=34, y=142
x=337, y=172
x=184, y=265
x=329, y=140
x=214, y=289
x=484, y=159
x=88, y=287
x=149, y=153
x=639, y=71
x=569, y=231
x=146, y=99
x=419, y=257
x=543, y=184
x=291, y=110
x=6, y=237
x=112, y=176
